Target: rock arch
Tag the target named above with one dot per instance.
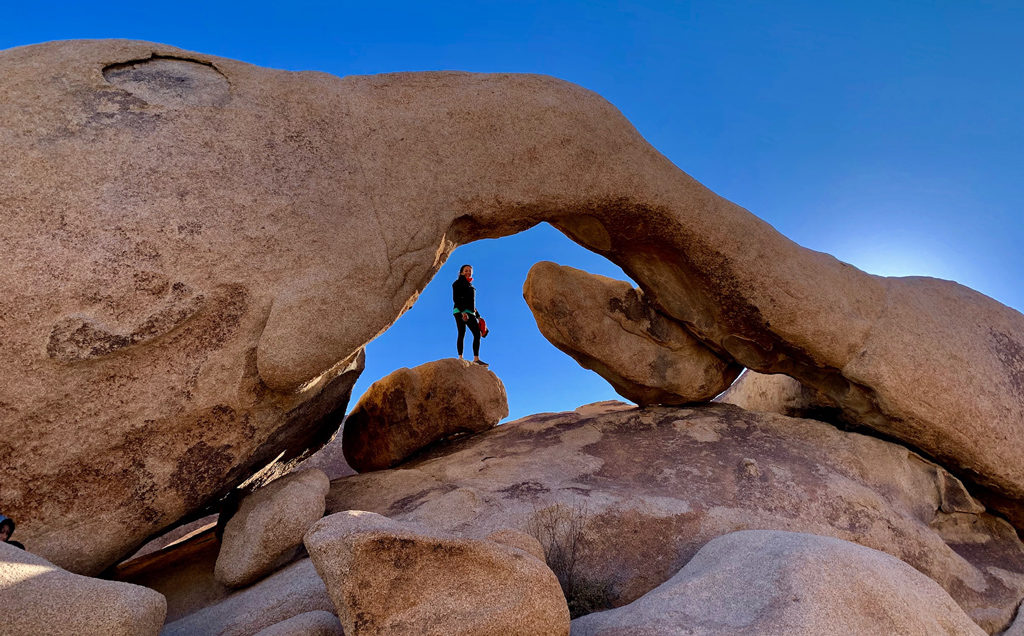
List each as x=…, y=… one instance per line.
x=304, y=212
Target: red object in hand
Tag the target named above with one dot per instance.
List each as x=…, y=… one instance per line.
x=483, y=326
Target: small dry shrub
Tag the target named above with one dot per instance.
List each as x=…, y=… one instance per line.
x=561, y=531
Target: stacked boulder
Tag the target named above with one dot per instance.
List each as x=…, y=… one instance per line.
x=208, y=334
x=280, y=592
x=261, y=550
x=635, y=493
x=410, y=409
x=215, y=329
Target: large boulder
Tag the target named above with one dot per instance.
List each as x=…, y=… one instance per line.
x=38, y=597
x=612, y=328
x=409, y=409
x=269, y=526
x=293, y=590
x=634, y=493
x=391, y=578
x=764, y=582
x=197, y=248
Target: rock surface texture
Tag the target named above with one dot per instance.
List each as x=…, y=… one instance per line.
x=762, y=582
x=613, y=329
x=520, y=540
x=638, y=491
x=410, y=409
x=293, y=590
x=37, y=597
x=182, y=572
x=390, y=578
x=197, y=249
x=269, y=526
x=317, y=623
x=778, y=393
x=1017, y=629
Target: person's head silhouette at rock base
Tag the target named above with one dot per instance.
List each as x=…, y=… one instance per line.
x=6, y=530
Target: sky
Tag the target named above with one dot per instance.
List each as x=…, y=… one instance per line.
x=887, y=133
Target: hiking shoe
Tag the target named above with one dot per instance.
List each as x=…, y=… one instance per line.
x=480, y=362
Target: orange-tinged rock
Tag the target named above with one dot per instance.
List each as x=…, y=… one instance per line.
x=611, y=328
x=409, y=409
x=196, y=249
x=391, y=578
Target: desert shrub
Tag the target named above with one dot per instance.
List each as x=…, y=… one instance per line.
x=561, y=531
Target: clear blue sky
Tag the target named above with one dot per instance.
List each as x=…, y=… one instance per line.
x=888, y=133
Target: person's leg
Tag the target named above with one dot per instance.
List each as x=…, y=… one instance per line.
x=462, y=332
x=474, y=326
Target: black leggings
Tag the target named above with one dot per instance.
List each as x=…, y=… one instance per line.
x=474, y=326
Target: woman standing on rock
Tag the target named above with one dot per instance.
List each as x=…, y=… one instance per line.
x=466, y=315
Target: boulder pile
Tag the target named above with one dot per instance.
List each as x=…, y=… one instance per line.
x=166, y=345
x=636, y=492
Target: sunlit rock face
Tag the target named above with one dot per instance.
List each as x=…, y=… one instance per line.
x=611, y=328
x=39, y=598
x=648, y=487
x=386, y=577
x=763, y=582
x=268, y=527
x=778, y=393
x=197, y=248
x=409, y=409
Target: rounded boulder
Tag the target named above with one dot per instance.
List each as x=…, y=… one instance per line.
x=410, y=409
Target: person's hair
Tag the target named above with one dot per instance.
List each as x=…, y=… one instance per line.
x=9, y=524
x=464, y=267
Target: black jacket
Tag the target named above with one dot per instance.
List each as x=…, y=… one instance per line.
x=464, y=296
